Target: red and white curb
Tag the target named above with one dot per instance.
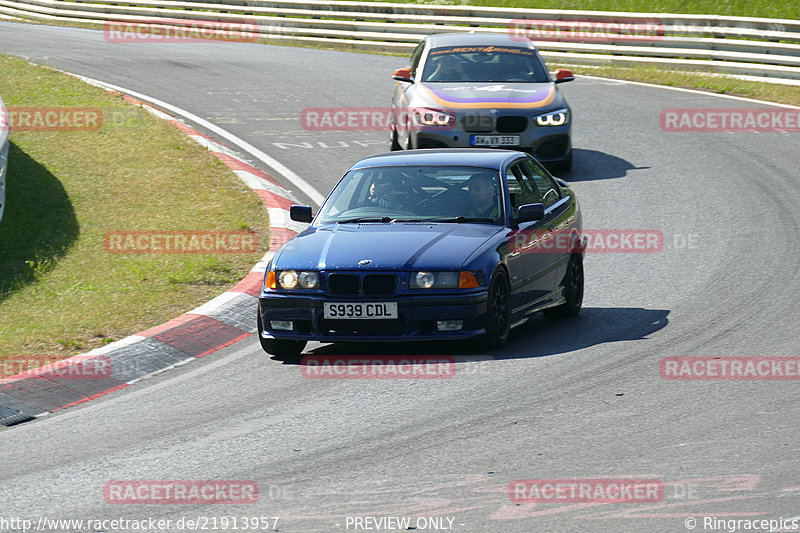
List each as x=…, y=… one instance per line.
x=221, y=322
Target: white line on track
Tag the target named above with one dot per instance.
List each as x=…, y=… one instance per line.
x=273, y=163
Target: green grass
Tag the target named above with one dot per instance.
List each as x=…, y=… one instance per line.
x=60, y=291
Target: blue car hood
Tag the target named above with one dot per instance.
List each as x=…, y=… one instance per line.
x=390, y=246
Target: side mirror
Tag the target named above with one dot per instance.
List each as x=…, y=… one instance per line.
x=403, y=74
x=530, y=212
x=300, y=213
x=563, y=75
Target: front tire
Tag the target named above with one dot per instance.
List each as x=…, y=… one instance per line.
x=498, y=310
x=573, y=290
x=395, y=147
x=279, y=348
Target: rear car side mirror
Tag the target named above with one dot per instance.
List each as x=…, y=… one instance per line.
x=403, y=74
x=300, y=213
x=563, y=75
x=530, y=212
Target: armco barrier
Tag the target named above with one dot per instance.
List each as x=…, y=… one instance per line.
x=760, y=48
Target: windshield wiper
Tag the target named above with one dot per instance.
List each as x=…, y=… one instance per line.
x=364, y=219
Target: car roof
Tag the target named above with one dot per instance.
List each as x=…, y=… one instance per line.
x=466, y=39
x=473, y=157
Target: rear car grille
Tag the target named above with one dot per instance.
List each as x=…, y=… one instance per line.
x=369, y=285
x=512, y=124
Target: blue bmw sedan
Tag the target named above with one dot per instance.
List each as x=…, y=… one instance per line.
x=426, y=245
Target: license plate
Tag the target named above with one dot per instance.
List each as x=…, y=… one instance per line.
x=355, y=310
x=494, y=140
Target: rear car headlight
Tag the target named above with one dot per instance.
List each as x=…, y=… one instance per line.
x=292, y=279
x=442, y=280
x=433, y=117
x=556, y=118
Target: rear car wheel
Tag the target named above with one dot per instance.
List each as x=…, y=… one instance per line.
x=498, y=310
x=280, y=348
x=573, y=290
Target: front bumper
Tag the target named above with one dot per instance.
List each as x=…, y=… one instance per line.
x=417, y=316
x=548, y=145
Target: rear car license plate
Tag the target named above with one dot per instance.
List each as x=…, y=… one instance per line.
x=355, y=310
x=494, y=140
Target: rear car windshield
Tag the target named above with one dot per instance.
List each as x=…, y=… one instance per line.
x=484, y=64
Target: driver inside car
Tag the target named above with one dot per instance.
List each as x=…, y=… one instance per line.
x=483, y=195
x=383, y=194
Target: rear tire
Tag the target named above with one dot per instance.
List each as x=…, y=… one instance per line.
x=279, y=348
x=573, y=290
x=498, y=310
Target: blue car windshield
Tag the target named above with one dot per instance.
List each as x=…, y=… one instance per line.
x=484, y=64
x=459, y=194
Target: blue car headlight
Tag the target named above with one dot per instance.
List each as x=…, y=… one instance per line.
x=556, y=118
x=442, y=280
x=292, y=279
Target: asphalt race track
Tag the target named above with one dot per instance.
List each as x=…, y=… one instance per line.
x=576, y=399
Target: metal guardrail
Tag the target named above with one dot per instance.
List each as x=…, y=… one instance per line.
x=766, y=49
